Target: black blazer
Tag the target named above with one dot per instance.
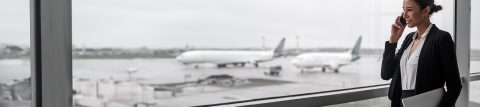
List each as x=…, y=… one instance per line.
x=437, y=65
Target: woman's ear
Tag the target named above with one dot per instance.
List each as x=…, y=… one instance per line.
x=427, y=10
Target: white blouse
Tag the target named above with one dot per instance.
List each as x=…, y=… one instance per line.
x=409, y=64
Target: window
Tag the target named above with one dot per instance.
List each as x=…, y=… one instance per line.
x=15, y=87
x=474, y=37
x=474, y=87
x=474, y=53
x=128, y=52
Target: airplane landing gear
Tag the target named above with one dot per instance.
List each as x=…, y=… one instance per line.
x=323, y=69
x=239, y=64
x=336, y=70
x=221, y=65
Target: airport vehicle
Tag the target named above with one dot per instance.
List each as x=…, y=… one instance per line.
x=273, y=71
x=234, y=57
x=224, y=80
x=329, y=60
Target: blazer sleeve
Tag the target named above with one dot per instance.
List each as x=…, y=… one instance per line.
x=389, y=62
x=448, y=60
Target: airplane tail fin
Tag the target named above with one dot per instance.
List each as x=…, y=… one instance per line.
x=356, y=49
x=278, y=50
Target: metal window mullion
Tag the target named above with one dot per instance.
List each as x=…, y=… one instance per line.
x=51, y=51
x=462, y=41
x=35, y=53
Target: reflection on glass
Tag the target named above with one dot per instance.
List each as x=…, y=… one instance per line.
x=15, y=86
x=188, y=53
x=474, y=92
x=475, y=53
x=474, y=38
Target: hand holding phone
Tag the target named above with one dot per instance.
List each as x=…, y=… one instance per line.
x=397, y=29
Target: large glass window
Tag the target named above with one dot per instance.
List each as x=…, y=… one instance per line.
x=15, y=87
x=197, y=52
x=474, y=92
x=474, y=38
x=475, y=53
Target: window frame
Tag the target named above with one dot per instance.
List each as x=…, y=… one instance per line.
x=462, y=15
x=51, y=34
x=51, y=51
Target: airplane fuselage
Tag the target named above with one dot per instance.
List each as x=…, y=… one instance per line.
x=324, y=60
x=327, y=59
x=224, y=57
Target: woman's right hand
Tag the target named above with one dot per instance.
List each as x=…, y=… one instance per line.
x=397, y=30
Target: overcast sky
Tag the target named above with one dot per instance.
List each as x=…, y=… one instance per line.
x=226, y=23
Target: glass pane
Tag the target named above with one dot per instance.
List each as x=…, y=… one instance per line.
x=15, y=87
x=374, y=102
x=475, y=38
x=475, y=53
x=197, y=52
x=474, y=93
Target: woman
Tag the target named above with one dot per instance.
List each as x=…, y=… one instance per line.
x=426, y=59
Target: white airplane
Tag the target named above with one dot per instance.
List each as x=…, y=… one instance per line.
x=223, y=57
x=327, y=60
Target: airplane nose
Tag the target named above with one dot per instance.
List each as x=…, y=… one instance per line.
x=295, y=61
x=180, y=58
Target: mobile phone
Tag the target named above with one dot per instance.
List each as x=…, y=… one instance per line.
x=403, y=21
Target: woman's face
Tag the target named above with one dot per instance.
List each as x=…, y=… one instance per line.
x=413, y=13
